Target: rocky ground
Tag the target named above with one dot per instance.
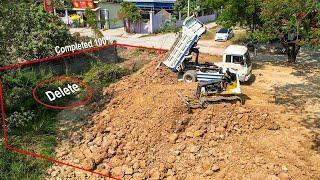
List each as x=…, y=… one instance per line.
x=142, y=130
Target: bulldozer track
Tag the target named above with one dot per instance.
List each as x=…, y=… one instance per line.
x=202, y=102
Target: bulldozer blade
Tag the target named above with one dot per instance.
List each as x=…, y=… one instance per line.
x=190, y=103
x=204, y=100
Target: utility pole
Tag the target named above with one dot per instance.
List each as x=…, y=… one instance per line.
x=188, y=8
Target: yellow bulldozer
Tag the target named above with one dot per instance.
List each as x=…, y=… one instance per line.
x=226, y=88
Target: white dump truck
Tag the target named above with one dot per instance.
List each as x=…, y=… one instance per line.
x=236, y=58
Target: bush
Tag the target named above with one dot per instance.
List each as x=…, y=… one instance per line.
x=260, y=36
x=168, y=27
x=23, y=114
x=241, y=38
x=19, y=118
x=30, y=126
x=17, y=90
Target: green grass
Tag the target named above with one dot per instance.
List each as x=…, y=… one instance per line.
x=239, y=38
x=102, y=75
x=34, y=137
x=18, y=166
x=209, y=35
x=163, y=31
x=138, y=52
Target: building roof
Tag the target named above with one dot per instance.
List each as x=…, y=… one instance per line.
x=153, y=4
x=236, y=49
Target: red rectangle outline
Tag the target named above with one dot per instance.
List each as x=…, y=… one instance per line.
x=14, y=66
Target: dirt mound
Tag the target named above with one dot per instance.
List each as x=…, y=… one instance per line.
x=152, y=73
x=145, y=130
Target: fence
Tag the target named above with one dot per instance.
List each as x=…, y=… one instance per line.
x=156, y=23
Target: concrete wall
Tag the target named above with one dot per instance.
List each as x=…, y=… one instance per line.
x=203, y=19
x=139, y=27
x=78, y=63
x=208, y=18
x=156, y=22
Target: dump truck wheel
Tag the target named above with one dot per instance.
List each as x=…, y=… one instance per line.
x=190, y=76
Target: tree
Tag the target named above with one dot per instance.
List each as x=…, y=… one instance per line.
x=27, y=32
x=129, y=13
x=295, y=23
x=93, y=22
x=243, y=12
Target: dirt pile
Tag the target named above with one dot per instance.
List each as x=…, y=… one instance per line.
x=144, y=131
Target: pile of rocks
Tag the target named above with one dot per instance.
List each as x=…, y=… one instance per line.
x=144, y=131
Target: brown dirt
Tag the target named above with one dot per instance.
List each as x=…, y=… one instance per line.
x=144, y=132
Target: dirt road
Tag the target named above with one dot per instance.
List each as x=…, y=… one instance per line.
x=143, y=131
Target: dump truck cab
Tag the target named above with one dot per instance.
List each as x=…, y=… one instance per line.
x=237, y=59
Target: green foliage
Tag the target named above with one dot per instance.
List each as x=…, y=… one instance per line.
x=272, y=18
x=18, y=98
x=168, y=27
x=260, y=36
x=128, y=11
x=62, y=4
x=243, y=12
x=101, y=75
x=93, y=22
x=17, y=87
x=284, y=15
x=294, y=23
x=29, y=125
x=28, y=32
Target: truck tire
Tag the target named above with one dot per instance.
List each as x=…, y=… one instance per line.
x=190, y=76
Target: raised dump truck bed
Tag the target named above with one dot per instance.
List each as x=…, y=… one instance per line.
x=179, y=58
x=191, y=32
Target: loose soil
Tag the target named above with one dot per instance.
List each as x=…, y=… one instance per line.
x=142, y=130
